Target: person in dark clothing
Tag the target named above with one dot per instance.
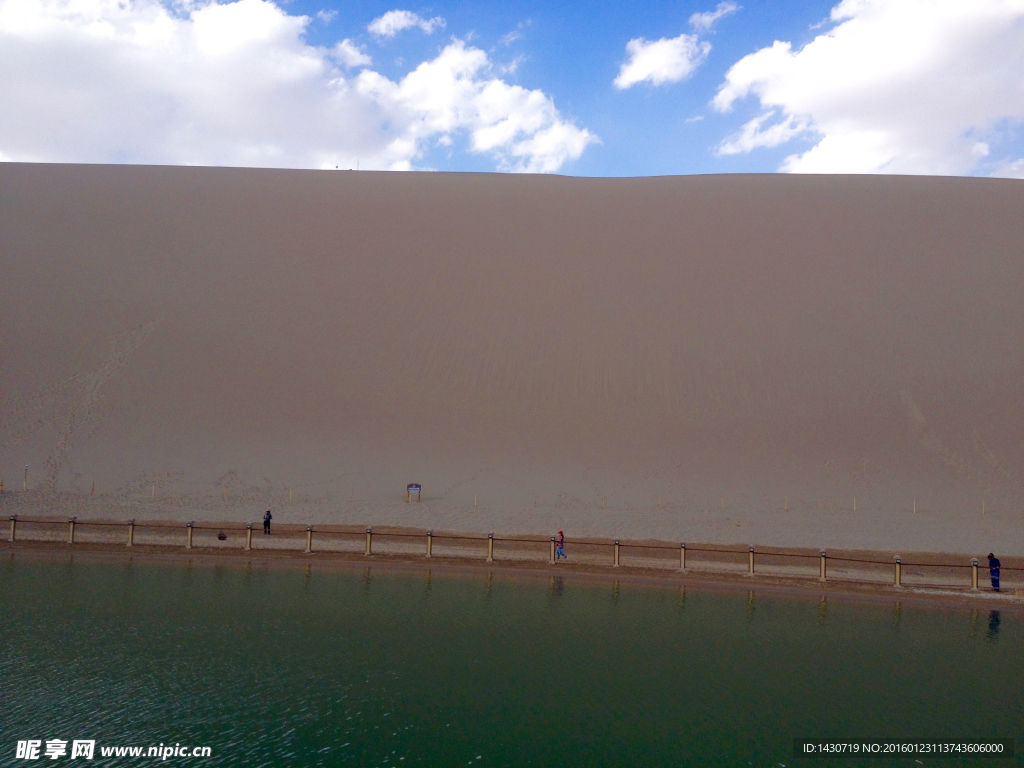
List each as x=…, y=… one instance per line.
x=266, y=523
x=993, y=570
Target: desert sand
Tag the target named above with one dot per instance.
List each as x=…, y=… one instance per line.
x=730, y=359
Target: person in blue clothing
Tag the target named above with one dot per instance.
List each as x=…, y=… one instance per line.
x=559, y=544
x=266, y=523
x=993, y=570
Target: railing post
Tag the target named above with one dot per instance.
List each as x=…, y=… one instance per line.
x=974, y=574
x=14, y=526
x=899, y=572
x=551, y=560
x=369, y=541
x=615, y=562
x=131, y=532
x=188, y=543
x=490, y=547
x=309, y=539
x=430, y=542
x=682, y=558
x=821, y=574
x=248, y=537
x=750, y=564
x=71, y=530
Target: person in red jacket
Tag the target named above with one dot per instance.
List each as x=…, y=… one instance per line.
x=559, y=544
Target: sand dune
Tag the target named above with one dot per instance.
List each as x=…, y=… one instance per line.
x=718, y=358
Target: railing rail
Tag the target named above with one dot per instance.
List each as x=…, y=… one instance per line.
x=758, y=561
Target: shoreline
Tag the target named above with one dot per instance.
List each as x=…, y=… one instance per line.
x=647, y=577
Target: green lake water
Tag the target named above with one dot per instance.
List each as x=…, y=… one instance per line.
x=385, y=668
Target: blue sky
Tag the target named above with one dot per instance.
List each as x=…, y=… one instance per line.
x=595, y=89
x=573, y=52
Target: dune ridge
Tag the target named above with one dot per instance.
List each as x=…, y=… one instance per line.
x=714, y=358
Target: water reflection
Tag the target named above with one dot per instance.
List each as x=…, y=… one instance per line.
x=367, y=581
x=556, y=585
x=993, y=626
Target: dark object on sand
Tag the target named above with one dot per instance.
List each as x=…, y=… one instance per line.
x=222, y=536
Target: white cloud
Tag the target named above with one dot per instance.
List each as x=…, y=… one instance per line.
x=753, y=135
x=1010, y=169
x=704, y=21
x=349, y=54
x=327, y=16
x=448, y=93
x=393, y=22
x=661, y=61
x=897, y=86
x=236, y=84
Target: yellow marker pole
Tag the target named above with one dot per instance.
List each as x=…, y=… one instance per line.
x=821, y=574
x=131, y=532
x=616, y=561
x=899, y=572
x=430, y=542
x=14, y=526
x=248, y=537
x=369, y=541
x=750, y=566
x=551, y=561
x=974, y=575
x=490, y=547
x=682, y=558
x=71, y=530
x=188, y=543
x=309, y=539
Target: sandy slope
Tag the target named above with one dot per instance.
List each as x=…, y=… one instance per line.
x=218, y=340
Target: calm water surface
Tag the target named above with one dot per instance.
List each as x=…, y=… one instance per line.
x=285, y=667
